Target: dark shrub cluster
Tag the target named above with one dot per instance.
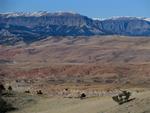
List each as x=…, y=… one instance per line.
x=2, y=88
x=27, y=91
x=39, y=92
x=122, y=97
x=82, y=96
x=4, y=106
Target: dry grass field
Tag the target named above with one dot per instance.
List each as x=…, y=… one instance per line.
x=105, y=104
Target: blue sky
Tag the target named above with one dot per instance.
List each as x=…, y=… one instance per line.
x=90, y=8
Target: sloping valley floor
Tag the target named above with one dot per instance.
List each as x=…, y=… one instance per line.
x=103, y=104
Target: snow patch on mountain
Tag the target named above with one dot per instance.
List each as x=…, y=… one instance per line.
x=59, y=13
x=36, y=14
x=26, y=14
x=123, y=18
x=147, y=19
x=97, y=18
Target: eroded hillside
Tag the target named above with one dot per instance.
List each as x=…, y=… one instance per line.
x=99, y=59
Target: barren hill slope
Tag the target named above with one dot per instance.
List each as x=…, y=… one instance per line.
x=97, y=59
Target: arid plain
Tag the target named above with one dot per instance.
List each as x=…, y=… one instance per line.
x=65, y=67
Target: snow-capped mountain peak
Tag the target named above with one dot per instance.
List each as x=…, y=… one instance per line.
x=36, y=14
x=26, y=14
x=59, y=13
x=39, y=25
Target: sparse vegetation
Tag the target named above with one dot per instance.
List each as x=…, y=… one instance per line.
x=27, y=91
x=57, y=76
x=39, y=92
x=2, y=88
x=122, y=97
x=82, y=96
x=66, y=89
x=4, y=106
x=9, y=88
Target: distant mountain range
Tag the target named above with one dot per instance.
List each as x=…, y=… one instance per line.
x=30, y=27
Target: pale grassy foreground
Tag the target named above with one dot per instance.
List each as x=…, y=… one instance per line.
x=90, y=105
